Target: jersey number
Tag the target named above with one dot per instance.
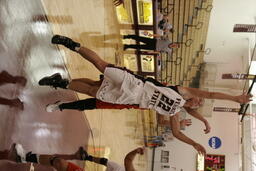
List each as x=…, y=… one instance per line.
x=165, y=103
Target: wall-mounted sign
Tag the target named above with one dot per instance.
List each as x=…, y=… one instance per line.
x=145, y=12
x=124, y=15
x=211, y=162
x=225, y=109
x=130, y=62
x=147, y=63
x=244, y=28
x=214, y=142
x=238, y=76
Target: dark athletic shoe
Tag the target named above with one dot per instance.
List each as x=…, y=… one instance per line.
x=65, y=41
x=54, y=80
x=125, y=47
x=21, y=156
x=31, y=157
x=83, y=155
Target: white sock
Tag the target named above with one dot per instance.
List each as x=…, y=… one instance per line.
x=38, y=158
x=77, y=49
x=21, y=152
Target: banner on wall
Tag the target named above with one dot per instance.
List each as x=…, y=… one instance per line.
x=225, y=109
x=211, y=162
x=238, y=76
x=249, y=28
x=214, y=142
x=214, y=162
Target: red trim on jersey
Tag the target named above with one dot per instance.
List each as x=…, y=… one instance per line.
x=73, y=167
x=105, y=105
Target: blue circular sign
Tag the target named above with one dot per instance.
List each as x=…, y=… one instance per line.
x=214, y=142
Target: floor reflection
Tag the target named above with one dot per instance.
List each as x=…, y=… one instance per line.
x=25, y=50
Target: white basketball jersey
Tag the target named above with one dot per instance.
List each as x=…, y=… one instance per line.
x=163, y=100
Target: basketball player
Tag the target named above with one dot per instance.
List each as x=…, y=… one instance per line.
x=87, y=104
x=14, y=160
x=7, y=165
x=120, y=86
x=93, y=103
x=58, y=162
x=41, y=162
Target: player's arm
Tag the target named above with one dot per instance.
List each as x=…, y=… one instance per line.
x=198, y=116
x=174, y=121
x=163, y=122
x=130, y=157
x=188, y=93
x=157, y=35
x=146, y=33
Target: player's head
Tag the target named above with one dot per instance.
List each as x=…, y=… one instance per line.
x=171, y=30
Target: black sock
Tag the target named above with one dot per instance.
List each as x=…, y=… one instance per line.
x=63, y=83
x=89, y=158
x=31, y=157
x=103, y=161
x=87, y=104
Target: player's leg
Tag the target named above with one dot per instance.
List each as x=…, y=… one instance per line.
x=86, y=104
x=146, y=47
x=89, y=81
x=7, y=165
x=57, y=161
x=63, y=165
x=92, y=57
x=145, y=40
x=85, y=86
x=86, y=53
x=48, y=159
x=60, y=164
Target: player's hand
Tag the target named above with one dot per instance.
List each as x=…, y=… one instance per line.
x=140, y=150
x=207, y=127
x=244, y=98
x=201, y=150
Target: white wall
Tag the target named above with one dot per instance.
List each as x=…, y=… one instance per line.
x=230, y=50
x=224, y=126
x=230, y=53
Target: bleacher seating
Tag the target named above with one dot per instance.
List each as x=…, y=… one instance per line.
x=190, y=20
